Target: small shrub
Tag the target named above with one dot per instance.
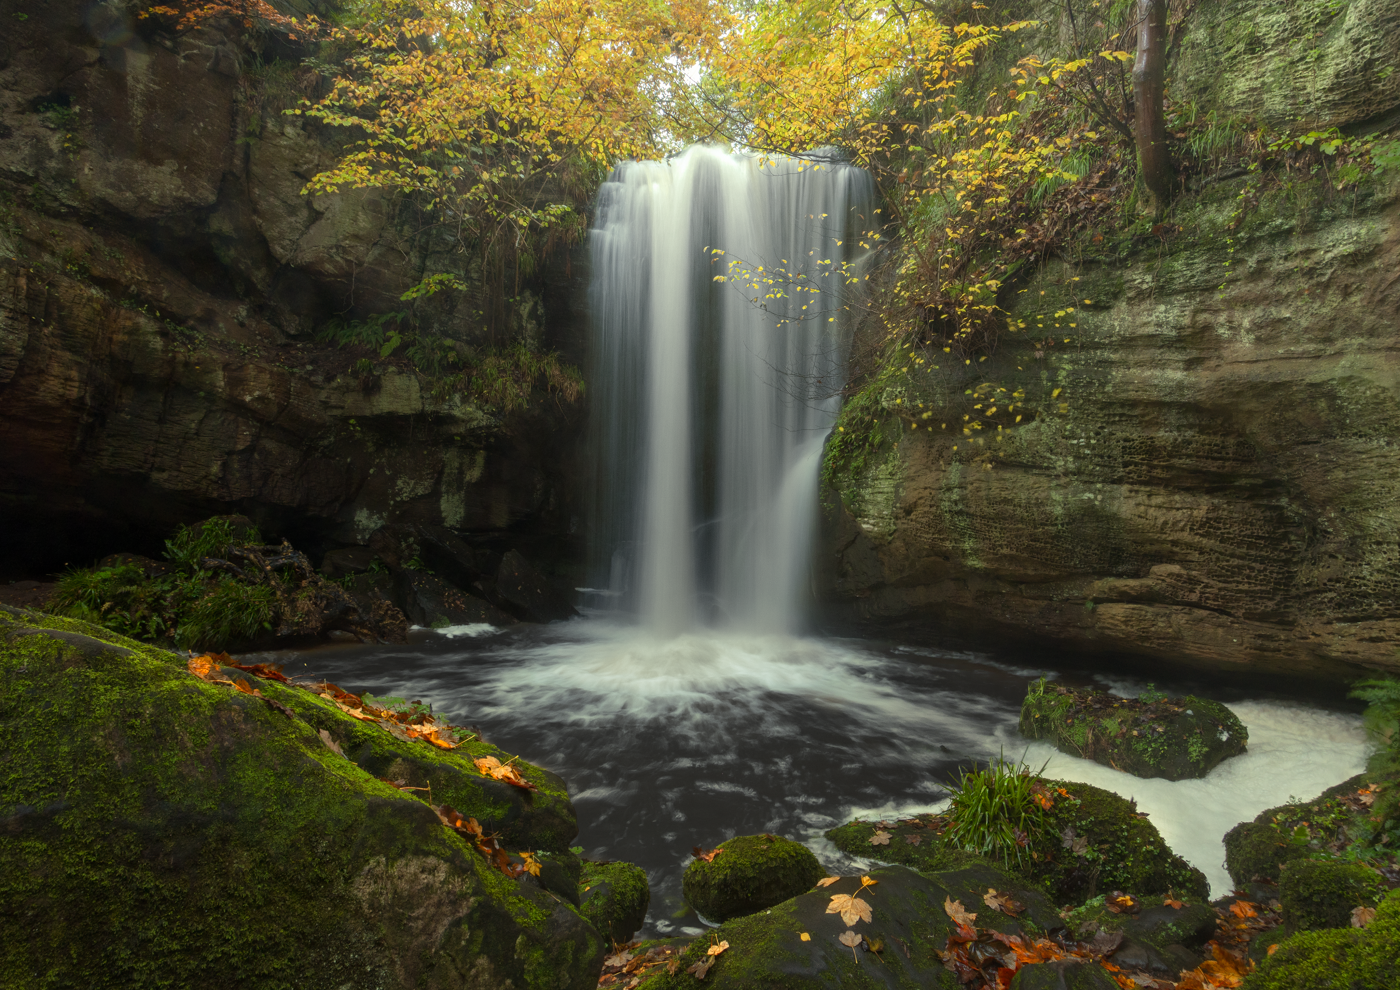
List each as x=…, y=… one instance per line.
x=229, y=612
x=995, y=811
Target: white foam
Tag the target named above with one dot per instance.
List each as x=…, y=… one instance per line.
x=471, y=630
x=1294, y=752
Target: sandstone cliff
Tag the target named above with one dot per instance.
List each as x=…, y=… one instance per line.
x=162, y=279
x=1217, y=480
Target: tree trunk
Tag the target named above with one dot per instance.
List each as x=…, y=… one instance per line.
x=1149, y=122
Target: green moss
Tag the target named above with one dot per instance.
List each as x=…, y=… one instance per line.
x=1259, y=850
x=751, y=873
x=1337, y=958
x=615, y=897
x=1157, y=925
x=1321, y=893
x=167, y=832
x=1173, y=738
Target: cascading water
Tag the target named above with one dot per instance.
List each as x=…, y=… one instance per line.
x=712, y=397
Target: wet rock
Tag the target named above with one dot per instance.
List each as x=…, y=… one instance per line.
x=1259, y=849
x=749, y=873
x=429, y=601
x=337, y=564
x=614, y=898
x=1063, y=974
x=196, y=801
x=1158, y=925
x=1175, y=738
x=527, y=592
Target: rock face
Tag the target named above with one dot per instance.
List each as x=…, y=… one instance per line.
x=1210, y=474
x=162, y=281
x=161, y=830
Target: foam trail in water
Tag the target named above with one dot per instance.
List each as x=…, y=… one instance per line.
x=1293, y=752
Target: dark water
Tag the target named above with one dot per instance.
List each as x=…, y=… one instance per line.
x=671, y=744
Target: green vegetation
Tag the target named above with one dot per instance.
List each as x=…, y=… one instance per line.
x=1337, y=958
x=168, y=832
x=1320, y=893
x=998, y=812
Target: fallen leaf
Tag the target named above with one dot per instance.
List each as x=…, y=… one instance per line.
x=913, y=840
x=708, y=855
x=331, y=744
x=531, y=864
x=1366, y=797
x=1004, y=903
x=957, y=912
x=880, y=838
x=278, y=706
x=1121, y=903
x=702, y=967
x=494, y=768
x=1175, y=905
x=805, y=937
x=1105, y=943
x=1080, y=846
x=201, y=667
x=851, y=939
x=823, y=882
x=715, y=950
x=1244, y=909
x=674, y=965
x=1362, y=916
x=619, y=960
x=242, y=685
x=1272, y=949
x=850, y=908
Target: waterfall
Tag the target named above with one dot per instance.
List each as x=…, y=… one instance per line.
x=709, y=409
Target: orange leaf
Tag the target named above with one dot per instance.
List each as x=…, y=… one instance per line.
x=1244, y=909
x=956, y=911
x=246, y=688
x=1174, y=905
x=849, y=907
x=494, y=768
x=708, y=855
x=823, y=882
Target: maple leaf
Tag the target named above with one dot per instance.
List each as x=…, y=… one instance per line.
x=851, y=939
x=913, y=840
x=531, y=865
x=827, y=881
x=1004, y=903
x=880, y=838
x=702, y=967
x=1173, y=904
x=1244, y=909
x=957, y=913
x=849, y=907
x=708, y=855
x=494, y=768
x=201, y=667
x=331, y=744
x=716, y=949
x=619, y=960
x=1362, y=916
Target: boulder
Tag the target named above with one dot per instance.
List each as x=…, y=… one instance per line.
x=614, y=898
x=796, y=943
x=165, y=830
x=429, y=601
x=337, y=564
x=749, y=873
x=1063, y=974
x=1175, y=738
x=1322, y=893
x=1259, y=849
x=1092, y=840
x=1337, y=958
x=528, y=593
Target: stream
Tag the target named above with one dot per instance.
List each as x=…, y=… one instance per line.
x=669, y=743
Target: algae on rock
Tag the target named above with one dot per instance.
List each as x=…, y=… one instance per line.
x=166, y=831
x=614, y=898
x=749, y=873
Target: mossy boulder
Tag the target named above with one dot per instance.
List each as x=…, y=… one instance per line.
x=750, y=873
x=1063, y=974
x=1321, y=893
x=1259, y=850
x=1175, y=738
x=908, y=924
x=165, y=831
x=1157, y=924
x=1093, y=841
x=614, y=898
x=1337, y=958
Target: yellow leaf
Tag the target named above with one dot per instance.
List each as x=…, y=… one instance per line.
x=805, y=937
x=850, y=908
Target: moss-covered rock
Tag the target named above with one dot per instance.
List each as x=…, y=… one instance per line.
x=1157, y=925
x=1093, y=841
x=908, y=924
x=1175, y=738
x=1337, y=958
x=614, y=898
x=164, y=831
x=1321, y=893
x=1259, y=850
x=750, y=873
x=1063, y=974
